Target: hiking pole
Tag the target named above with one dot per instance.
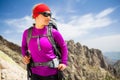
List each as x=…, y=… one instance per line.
x=28, y=78
x=28, y=72
x=29, y=68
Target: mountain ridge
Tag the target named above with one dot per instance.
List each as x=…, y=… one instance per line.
x=83, y=63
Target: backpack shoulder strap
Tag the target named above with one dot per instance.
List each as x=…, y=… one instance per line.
x=50, y=37
x=29, y=35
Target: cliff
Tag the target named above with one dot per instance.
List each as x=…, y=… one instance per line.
x=83, y=63
x=86, y=64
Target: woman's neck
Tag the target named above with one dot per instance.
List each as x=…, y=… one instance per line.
x=38, y=26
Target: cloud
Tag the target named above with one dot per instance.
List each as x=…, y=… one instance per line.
x=104, y=43
x=81, y=25
x=70, y=31
x=17, y=26
x=105, y=12
x=90, y=21
x=20, y=24
x=8, y=31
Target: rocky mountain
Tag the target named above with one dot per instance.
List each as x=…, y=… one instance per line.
x=83, y=63
x=87, y=64
x=117, y=69
x=12, y=50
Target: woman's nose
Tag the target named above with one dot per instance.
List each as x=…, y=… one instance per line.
x=49, y=17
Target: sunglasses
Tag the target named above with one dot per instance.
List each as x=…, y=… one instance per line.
x=45, y=14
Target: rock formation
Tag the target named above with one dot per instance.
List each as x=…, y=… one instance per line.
x=117, y=69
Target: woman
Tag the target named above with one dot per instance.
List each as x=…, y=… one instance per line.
x=41, y=13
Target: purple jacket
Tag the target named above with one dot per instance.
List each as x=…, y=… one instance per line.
x=46, y=53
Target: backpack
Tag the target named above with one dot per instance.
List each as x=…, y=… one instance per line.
x=51, y=25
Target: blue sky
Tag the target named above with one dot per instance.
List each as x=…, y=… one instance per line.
x=95, y=23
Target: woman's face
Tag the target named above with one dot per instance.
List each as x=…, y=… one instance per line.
x=43, y=18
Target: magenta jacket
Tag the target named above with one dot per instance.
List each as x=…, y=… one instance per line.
x=46, y=53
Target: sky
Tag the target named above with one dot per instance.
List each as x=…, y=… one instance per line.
x=94, y=23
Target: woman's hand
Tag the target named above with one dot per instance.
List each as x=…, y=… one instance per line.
x=26, y=59
x=61, y=67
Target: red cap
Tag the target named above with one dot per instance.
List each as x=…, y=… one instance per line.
x=39, y=8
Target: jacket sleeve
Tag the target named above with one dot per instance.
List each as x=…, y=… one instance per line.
x=24, y=47
x=63, y=46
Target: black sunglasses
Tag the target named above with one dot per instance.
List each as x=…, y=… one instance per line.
x=45, y=14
